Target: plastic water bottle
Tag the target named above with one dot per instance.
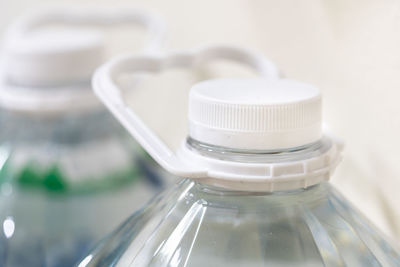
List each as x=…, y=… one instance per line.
x=68, y=174
x=256, y=194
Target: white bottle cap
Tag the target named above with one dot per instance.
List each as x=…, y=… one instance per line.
x=45, y=68
x=53, y=57
x=255, y=114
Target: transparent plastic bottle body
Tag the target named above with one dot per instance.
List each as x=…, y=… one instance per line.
x=66, y=181
x=197, y=225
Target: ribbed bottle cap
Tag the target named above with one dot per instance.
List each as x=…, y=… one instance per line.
x=52, y=58
x=255, y=114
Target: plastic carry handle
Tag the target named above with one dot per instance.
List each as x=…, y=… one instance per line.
x=106, y=88
x=93, y=16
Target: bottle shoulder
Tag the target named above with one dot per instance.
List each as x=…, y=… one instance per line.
x=293, y=228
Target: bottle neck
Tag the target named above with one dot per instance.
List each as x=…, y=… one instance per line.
x=66, y=128
x=260, y=156
x=262, y=170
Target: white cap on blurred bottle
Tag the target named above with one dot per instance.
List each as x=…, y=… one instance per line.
x=52, y=58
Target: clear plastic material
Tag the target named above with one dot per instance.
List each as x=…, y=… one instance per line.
x=195, y=224
x=66, y=180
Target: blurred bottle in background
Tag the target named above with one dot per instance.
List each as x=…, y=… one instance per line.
x=68, y=173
